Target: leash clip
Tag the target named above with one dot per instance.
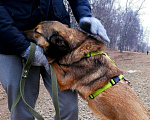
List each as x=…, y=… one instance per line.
x=25, y=73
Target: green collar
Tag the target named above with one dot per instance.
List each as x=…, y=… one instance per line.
x=93, y=53
x=97, y=53
x=112, y=81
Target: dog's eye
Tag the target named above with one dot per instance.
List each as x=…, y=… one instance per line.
x=35, y=30
x=60, y=42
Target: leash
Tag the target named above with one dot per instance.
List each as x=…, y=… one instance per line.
x=20, y=92
x=55, y=92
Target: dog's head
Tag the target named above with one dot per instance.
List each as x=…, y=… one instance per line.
x=52, y=36
x=57, y=39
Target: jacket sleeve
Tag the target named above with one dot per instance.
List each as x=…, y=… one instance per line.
x=10, y=36
x=80, y=8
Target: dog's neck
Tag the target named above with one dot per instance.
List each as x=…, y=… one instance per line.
x=104, y=72
x=100, y=66
x=81, y=44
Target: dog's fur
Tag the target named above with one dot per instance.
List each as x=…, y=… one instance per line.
x=85, y=75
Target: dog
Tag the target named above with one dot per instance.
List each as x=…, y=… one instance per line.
x=76, y=69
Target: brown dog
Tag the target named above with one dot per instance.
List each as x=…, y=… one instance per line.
x=76, y=71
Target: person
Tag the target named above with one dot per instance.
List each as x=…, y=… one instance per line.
x=19, y=15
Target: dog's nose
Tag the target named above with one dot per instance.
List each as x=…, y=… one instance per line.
x=28, y=36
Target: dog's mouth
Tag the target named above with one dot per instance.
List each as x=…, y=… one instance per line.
x=32, y=40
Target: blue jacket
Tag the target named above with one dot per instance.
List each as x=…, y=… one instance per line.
x=20, y=15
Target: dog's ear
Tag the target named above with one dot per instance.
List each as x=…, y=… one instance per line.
x=59, y=41
x=58, y=47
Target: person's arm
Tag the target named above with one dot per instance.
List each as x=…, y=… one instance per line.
x=82, y=12
x=12, y=37
x=9, y=34
x=80, y=8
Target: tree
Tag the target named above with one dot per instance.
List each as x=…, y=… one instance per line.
x=122, y=24
x=130, y=25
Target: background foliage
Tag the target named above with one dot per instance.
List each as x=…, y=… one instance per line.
x=123, y=25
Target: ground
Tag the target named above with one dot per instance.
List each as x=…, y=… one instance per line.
x=136, y=68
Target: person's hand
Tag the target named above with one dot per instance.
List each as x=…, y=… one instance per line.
x=39, y=58
x=94, y=26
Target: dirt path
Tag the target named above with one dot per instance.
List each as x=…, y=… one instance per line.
x=136, y=68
